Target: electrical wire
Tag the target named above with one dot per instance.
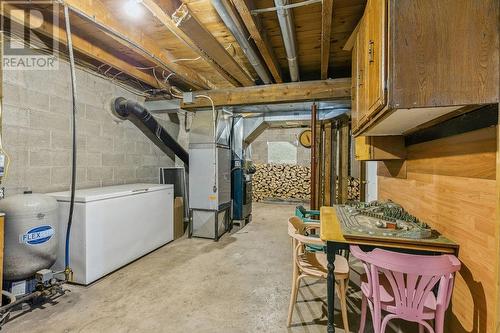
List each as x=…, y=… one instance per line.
x=90, y=69
x=198, y=58
x=95, y=71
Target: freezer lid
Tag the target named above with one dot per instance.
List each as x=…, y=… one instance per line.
x=109, y=192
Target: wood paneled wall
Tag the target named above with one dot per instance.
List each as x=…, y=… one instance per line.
x=451, y=184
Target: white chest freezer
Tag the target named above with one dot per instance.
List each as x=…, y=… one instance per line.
x=112, y=226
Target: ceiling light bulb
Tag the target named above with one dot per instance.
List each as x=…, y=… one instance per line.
x=133, y=8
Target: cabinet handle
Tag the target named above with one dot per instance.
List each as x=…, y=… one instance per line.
x=360, y=78
x=371, y=52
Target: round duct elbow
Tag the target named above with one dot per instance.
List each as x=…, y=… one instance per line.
x=118, y=109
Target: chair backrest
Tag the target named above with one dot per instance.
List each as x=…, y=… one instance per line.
x=296, y=225
x=411, y=277
x=300, y=211
x=297, y=230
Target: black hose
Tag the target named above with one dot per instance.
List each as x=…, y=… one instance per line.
x=73, y=122
x=140, y=116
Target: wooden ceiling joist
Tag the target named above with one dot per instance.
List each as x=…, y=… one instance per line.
x=96, y=12
x=254, y=27
x=184, y=24
x=326, y=29
x=84, y=47
x=274, y=93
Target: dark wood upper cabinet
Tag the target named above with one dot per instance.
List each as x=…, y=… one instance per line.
x=418, y=60
x=375, y=46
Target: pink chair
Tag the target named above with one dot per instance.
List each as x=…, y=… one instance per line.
x=401, y=286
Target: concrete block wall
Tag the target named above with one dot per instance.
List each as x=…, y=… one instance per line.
x=260, y=145
x=37, y=134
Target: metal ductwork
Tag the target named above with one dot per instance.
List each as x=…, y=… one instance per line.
x=139, y=116
x=253, y=127
x=285, y=18
x=202, y=128
x=231, y=20
x=257, y=124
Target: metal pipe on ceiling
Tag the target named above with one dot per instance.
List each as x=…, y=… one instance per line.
x=228, y=16
x=293, y=5
x=285, y=18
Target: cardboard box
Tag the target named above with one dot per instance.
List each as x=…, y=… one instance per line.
x=178, y=217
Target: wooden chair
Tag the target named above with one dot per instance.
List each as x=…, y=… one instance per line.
x=399, y=285
x=306, y=215
x=314, y=264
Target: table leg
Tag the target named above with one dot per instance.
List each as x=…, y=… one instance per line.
x=331, y=250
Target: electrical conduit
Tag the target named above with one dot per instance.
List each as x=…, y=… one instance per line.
x=223, y=8
x=285, y=18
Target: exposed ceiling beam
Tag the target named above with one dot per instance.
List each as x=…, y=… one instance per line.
x=258, y=34
x=184, y=24
x=274, y=93
x=326, y=30
x=96, y=12
x=82, y=46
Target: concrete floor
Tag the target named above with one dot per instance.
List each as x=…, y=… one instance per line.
x=240, y=284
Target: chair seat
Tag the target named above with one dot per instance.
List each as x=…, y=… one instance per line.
x=387, y=297
x=315, y=263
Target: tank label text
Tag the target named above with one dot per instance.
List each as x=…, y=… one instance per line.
x=37, y=235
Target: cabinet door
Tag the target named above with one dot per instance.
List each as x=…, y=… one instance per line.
x=354, y=88
x=362, y=64
x=362, y=148
x=375, y=48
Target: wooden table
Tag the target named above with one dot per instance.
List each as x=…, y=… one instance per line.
x=331, y=233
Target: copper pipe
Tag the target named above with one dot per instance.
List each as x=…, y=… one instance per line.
x=314, y=157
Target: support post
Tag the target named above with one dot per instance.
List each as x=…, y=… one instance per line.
x=314, y=142
x=343, y=162
x=328, y=158
x=335, y=169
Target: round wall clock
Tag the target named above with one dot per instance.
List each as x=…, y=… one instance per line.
x=305, y=138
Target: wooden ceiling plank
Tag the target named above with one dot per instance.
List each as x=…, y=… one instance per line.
x=274, y=93
x=326, y=30
x=188, y=29
x=96, y=12
x=84, y=47
x=259, y=36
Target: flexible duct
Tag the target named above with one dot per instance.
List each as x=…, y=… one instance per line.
x=285, y=18
x=139, y=116
x=224, y=9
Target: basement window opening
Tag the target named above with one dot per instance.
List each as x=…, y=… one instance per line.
x=281, y=152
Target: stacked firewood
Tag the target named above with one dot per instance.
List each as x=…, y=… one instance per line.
x=353, y=189
x=281, y=181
